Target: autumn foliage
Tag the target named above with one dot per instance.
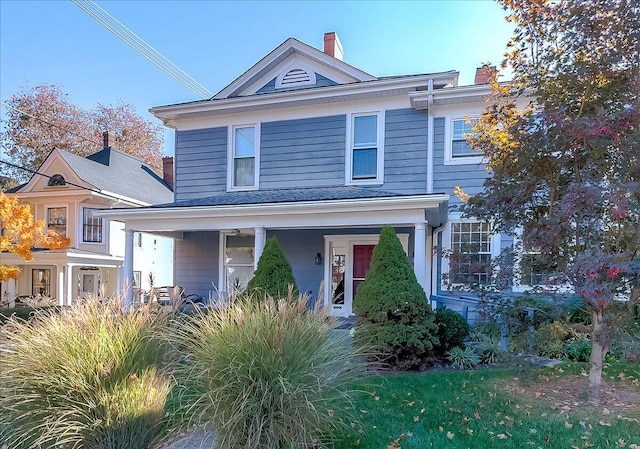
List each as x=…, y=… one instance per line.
x=20, y=233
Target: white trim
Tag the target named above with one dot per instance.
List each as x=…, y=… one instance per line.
x=449, y=159
x=380, y=135
x=95, y=208
x=348, y=241
x=291, y=46
x=231, y=157
x=496, y=244
x=296, y=66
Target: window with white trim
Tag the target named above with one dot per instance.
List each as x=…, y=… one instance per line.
x=365, y=156
x=533, y=268
x=244, y=157
x=470, y=258
x=460, y=130
x=57, y=220
x=458, y=150
x=239, y=252
x=91, y=226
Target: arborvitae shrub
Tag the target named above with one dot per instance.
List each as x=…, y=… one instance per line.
x=394, y=317
x=452, y=329
x=273, y=276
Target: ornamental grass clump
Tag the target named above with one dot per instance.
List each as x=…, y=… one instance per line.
x=85, y=377
x=265, y=374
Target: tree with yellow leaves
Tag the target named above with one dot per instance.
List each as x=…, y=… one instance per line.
x=20, y=233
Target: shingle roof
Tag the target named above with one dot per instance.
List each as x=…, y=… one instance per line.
x=120, y=173
x=285, y=196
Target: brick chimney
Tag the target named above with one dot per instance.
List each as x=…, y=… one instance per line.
x=105, y=140
x=167, y=171
x=332, y=45
x=485, y=74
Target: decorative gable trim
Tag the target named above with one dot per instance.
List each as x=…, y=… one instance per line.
x=295, y=75
x=245, y=82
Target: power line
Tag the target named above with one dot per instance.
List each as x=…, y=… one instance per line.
x=142, y=47
x=50, y=124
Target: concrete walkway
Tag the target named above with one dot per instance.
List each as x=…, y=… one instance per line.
x=199, y=439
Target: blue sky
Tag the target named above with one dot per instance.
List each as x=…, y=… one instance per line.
x=55, y=42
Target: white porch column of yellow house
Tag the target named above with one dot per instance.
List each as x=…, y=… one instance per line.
x=128, y=269
x=419, y=254
x=60, y=285
x=70, y=291
x=259, y=245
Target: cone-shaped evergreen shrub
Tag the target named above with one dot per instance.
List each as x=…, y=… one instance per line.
x=273, y=276
x=394, y=317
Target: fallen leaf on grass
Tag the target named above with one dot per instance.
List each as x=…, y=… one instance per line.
x=450, y=435
x=621, y=443
x=568, y=425
x=502, y=436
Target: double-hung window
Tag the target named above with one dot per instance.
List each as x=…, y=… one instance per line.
x=458, y=150
x=244, y=157
x=91, y=227
x=470, y=259
x=57, y=220
x=365, y=152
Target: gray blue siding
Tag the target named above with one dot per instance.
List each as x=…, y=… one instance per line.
x=303, y=153
x=197, y=262
x=200, y=163
x=469, y=177
x=321, y=81
x=405, y=151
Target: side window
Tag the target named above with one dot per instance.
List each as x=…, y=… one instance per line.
x=91, y=226
x=137, y=239
x=458, y=150
x=471, y=252
x=365, y=158
x=244, y=157
x=57, y=220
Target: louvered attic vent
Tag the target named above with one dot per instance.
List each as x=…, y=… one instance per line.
x=294, y=77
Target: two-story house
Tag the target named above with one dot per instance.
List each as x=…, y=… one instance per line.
x=67, y=191
x=308, y=148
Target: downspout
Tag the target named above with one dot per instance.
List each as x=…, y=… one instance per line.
x=430, y=138
x=436, y=275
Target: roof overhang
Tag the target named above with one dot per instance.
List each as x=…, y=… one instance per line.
x=422, y=100
x=386, y=87
x=398, y=211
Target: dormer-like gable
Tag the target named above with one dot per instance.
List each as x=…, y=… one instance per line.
x=293, y=65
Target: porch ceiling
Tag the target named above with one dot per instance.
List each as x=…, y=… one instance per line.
x=339, y=213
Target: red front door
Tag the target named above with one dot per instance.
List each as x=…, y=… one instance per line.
x=361, y=262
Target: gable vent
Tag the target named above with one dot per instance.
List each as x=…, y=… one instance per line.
x=296, y=76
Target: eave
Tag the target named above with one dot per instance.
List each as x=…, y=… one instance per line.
x=304, y=97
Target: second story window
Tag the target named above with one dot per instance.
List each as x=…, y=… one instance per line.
x=365, y=158
x=57, y=220
x=461, y=129
x=91, y=227
x=244, y=159
x=57, y=180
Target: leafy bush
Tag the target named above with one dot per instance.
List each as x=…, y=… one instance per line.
x=273, y=275
x=394, y=316
x=578, y=349
x=461, y=358
x=452, y=329
x=85, y=377
x=265, y=374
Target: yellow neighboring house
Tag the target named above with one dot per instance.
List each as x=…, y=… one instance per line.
x=66, y=192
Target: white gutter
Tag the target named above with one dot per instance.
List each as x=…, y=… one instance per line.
x=302, y=207
x=342, y=92
x=430, y=137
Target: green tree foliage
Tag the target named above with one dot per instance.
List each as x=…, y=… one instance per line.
x=562, y=142
x=43, y=118
x=273, y=276
x=394, y=316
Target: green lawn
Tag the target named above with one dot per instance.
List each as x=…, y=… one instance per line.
x=496, y=408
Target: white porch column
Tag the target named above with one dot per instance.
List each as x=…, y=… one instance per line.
x=128, y=269
x=419, y=254
x=70, y=291
x=60, y=285
x=259, y=245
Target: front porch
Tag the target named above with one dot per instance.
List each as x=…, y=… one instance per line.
x=218, y=245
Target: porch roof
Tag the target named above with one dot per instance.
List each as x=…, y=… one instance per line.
x=286, y=209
